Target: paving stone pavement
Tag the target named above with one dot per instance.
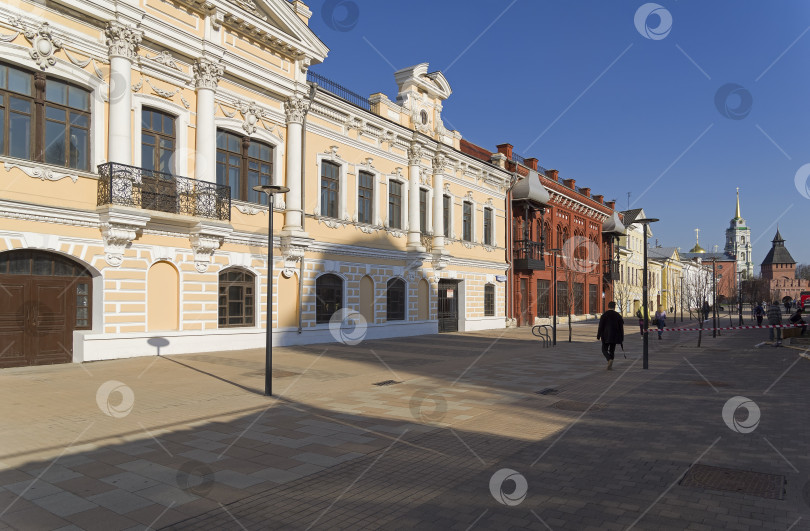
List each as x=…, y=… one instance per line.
x=201, y=448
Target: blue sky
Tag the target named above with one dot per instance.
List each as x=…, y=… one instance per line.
x=577, y=85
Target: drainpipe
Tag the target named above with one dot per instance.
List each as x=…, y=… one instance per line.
x=312, y=90
x=510, y=280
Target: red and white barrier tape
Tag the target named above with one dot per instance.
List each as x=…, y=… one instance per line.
x=725, y=328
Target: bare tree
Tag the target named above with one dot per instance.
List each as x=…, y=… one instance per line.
x=697, y=288
x=803, y=271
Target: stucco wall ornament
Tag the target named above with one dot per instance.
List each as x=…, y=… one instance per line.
x=252, y=115
x=166, y=59
x=168, y=94
x=16, y=22
x=123, y=40
x=43, y=43
x=39, y=172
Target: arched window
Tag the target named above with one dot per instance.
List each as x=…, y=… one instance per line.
x=57, y=134
x=243, y=163
x=395, y=293
x=236, y=298
x=328, y=297
x=489, y=300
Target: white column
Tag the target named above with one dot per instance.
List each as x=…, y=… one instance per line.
x=122, y=41
x=206, y=77
x=438, y=202
x=296, y=108
x=414, y=234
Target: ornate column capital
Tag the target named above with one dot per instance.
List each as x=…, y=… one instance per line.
x=439, y=163
x=122, y=40
x=415, y=154
x=296, y=108
x=207, y=73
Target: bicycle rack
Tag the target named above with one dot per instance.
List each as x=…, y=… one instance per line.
x=541, y=331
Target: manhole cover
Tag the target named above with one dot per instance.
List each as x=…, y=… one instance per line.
x=769, y=486
x=711, y=383
x=573, y=405
x=386, y=382
x=547, y=391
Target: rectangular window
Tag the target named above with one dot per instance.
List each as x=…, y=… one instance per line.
x=395, y=205
x=487, y=226
x=593, y=298
x=330, y=187
x=579, y=298
x=466, y=223
x=365, y=193
x=562, y=298
x=446, y=212
x=489, y=300
x=543, y=298
x=423, y=206
x=157, y=140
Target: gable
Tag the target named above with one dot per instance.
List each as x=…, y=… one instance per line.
x=274, y=22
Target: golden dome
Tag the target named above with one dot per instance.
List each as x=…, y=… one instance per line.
x=697, y=249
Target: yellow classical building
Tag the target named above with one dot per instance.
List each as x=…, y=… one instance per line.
x=133, y=133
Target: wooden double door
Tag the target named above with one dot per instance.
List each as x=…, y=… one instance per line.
x=38, y=313
x=448, y=306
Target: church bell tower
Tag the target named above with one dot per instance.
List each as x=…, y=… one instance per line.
x=738, y=242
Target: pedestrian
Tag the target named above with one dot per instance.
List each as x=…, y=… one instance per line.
x=759, y=313
x=641, y=319
x=787, y=306
x=706, y=310
x=775, y=319
x=660, y=320
x=611, y=332
x=796, y=319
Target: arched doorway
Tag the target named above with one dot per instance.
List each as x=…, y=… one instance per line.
x=44, y=297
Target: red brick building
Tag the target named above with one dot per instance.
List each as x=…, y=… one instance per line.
x=550, y=213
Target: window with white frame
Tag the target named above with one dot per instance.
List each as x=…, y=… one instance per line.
x=423, y=210
x=330, y=189
x=466, y=222
x=487, y=226
x=365, y=197
x=395, y=204
x=447, y=203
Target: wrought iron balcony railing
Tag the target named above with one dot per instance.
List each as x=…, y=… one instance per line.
x=119, y=184
x=526, y=254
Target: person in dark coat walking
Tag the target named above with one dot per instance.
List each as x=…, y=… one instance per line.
x=611, y=332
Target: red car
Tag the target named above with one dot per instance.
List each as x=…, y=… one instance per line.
x=804, y=300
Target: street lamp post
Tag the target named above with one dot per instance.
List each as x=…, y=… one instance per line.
x=714, y=297
x=554, y=291
x=680, y=296
x=645, y=222
x=271, y=190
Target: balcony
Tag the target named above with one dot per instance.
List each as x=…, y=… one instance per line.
x=611, y=269
x=527, y=256
x=119, y=184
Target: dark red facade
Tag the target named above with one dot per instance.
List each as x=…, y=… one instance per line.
x=571, y=222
